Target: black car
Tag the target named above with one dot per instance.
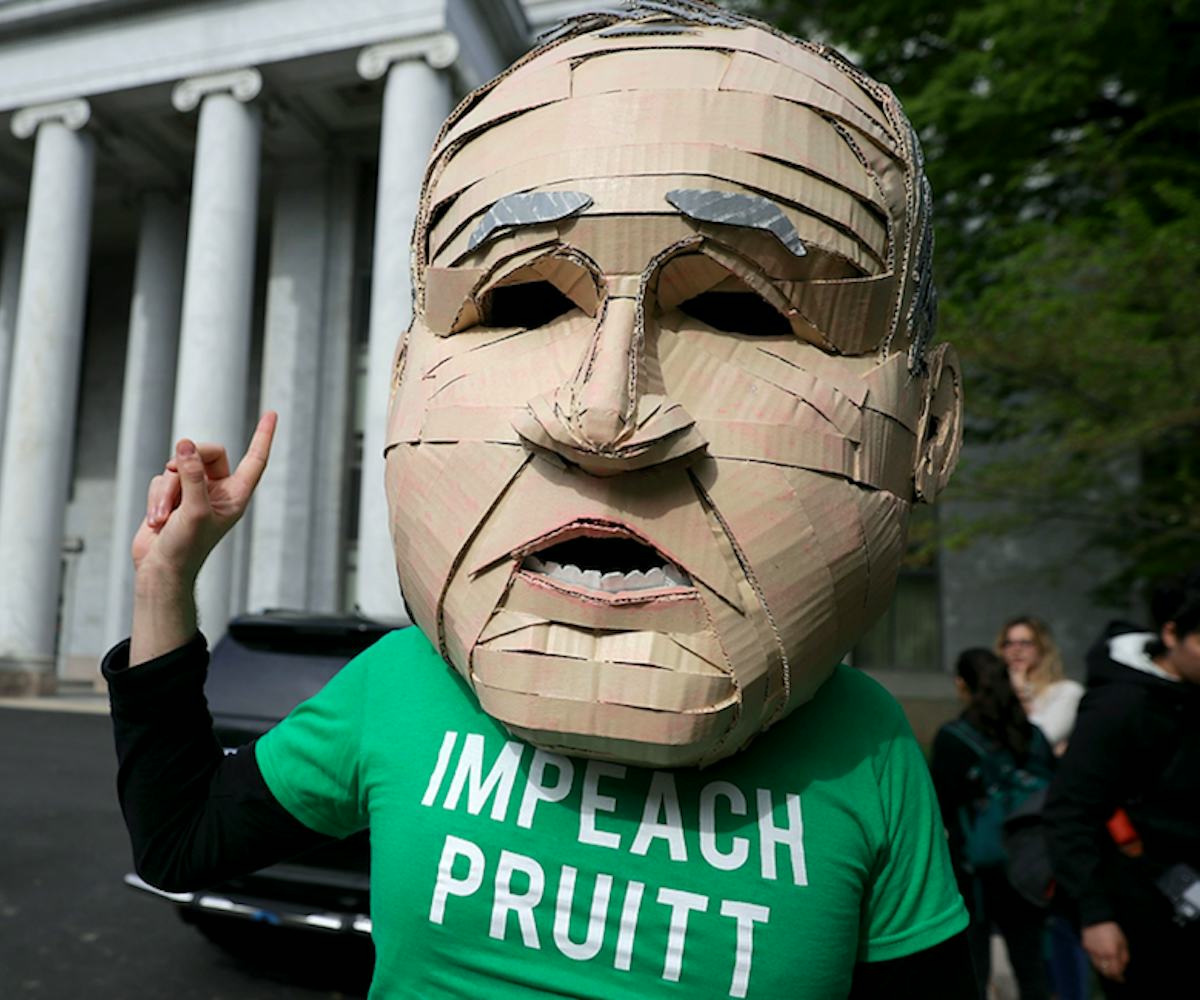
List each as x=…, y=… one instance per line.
x=260, y=670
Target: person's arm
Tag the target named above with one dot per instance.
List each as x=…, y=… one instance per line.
x=1097, y=773
x=943, y=972
x=1095, y=776
x=196, y=815
x=190, y=507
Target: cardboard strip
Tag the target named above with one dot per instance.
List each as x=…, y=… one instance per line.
x=602, y=683
x=680, y=614
x=754, y=399
x=605, y=72
x=750, y=647
x=504, y=622
x=588, y=168
x=854, y=313
x=631, y=647
x=757, y=75
x=763, y=513
x=518, y=351
x=884, y=518
x=467, y=605
x=751, y=442
x=843, y=551
x=511, y=95
x=749, y=122
x=422, y=482
x=844, y=374
x=891, y=390
x=830, y=402
x=887, y=456
x=801, y=57
x=613, y=722
x=455, y=424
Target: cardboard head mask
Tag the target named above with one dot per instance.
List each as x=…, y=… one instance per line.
x=668, y=395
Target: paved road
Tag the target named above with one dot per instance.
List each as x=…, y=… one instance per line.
x=70, y=929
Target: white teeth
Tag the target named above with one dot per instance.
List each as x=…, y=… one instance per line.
x=676, y=577
x=655, y=578
x=612, y=582
x=658, y=578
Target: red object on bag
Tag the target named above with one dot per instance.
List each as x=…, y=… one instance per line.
x=1122, y=831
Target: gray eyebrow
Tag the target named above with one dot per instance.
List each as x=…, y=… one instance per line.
x=528, y=210
x=732, y=209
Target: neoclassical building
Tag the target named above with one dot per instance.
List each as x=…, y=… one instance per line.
x=205, y=211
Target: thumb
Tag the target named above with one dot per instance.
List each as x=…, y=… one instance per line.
x=194, y=502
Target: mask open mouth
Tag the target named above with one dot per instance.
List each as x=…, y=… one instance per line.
x=609, y=564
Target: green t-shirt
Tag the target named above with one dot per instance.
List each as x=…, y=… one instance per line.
x=502, y=871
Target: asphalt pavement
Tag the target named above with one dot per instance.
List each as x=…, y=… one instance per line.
x=70, y=928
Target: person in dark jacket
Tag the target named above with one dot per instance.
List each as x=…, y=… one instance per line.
x=1136, y=748
x=993, y=721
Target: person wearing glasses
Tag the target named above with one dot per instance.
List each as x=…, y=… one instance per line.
x=1049, y=697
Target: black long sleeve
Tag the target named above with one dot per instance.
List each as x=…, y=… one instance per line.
x=196, y=815
x=1100, y=771
x=943, y=972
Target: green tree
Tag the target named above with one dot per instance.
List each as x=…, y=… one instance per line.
x=1061, y=139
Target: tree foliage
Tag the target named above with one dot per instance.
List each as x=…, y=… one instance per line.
x=1061, y=139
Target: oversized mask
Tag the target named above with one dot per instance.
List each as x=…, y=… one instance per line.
x=668, y=396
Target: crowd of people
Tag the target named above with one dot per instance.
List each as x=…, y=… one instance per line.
x=1107, y=777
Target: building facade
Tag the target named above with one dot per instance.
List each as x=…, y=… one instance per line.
x=205, y=211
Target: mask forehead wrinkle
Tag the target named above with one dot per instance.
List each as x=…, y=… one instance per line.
x=730, y=208
x=753, y=123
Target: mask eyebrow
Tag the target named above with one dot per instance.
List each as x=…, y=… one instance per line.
x=729, y=208
x=529, y=209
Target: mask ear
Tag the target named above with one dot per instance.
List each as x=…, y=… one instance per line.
x=939, y=434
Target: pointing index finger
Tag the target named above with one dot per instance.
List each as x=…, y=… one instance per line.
x=254, y=462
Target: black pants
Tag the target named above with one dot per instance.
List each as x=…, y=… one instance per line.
x=995, y=906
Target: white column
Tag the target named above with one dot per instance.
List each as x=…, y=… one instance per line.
x=281, y=530
x=148, y=392
x=326, y=557
x=218, y=291
x=416, y=99
x=10, y=282
x=44, y=381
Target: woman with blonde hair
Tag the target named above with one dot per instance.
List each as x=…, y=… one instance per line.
x=1035, y=666
x=1051, y=702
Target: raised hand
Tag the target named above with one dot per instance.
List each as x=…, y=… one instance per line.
x=196, y=500
x=190, y=507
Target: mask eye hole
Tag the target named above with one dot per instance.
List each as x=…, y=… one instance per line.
x=742, y=311
x=527, y=305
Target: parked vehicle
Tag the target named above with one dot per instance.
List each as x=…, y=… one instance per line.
x=260, y=670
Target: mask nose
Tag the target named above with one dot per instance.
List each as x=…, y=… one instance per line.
x=610, y=417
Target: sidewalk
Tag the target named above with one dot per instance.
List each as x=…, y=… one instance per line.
x=75, y=698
